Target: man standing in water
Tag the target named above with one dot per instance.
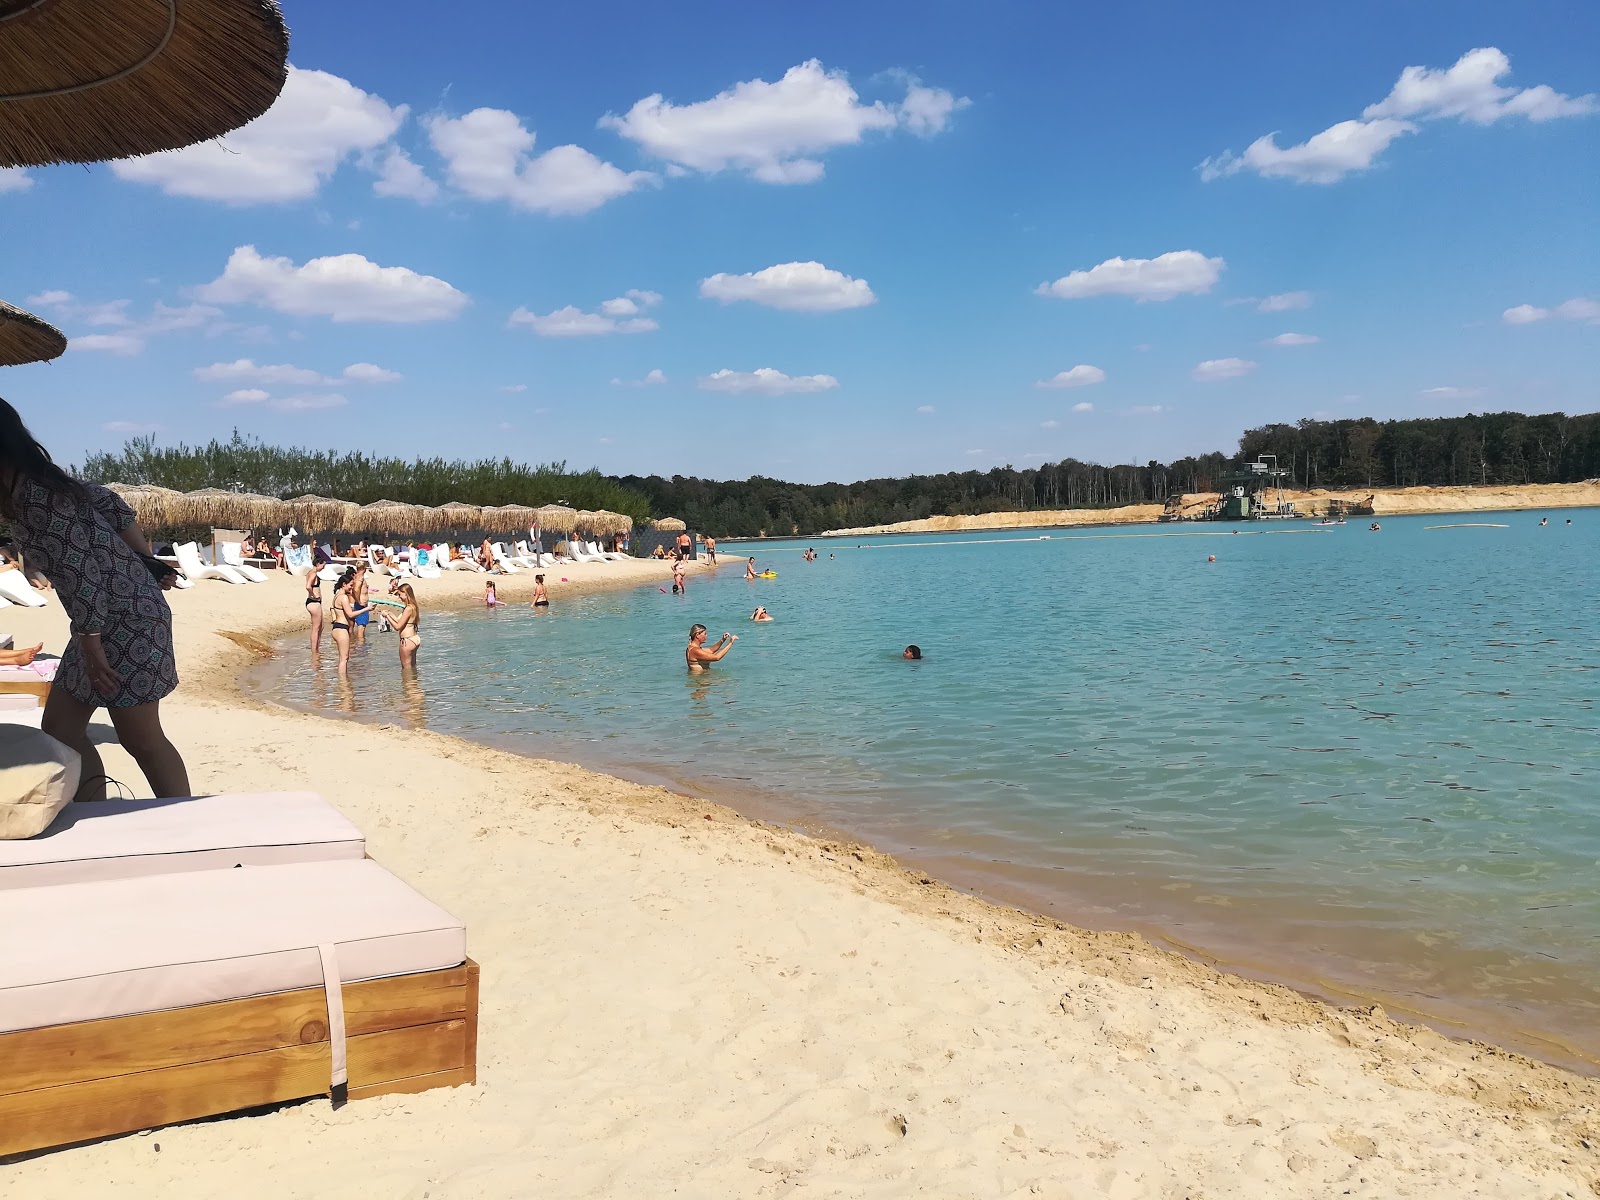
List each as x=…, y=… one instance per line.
x=696, y=654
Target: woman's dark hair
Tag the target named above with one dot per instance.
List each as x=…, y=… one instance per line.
x=914, y=651
x=22, y=457
x=345, y=578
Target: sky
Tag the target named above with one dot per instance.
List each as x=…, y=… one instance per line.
x=835, y=241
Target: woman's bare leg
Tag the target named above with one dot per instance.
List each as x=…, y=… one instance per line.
x=316, y=627
x=139, y=730
x=66, y=719
x=341, y=639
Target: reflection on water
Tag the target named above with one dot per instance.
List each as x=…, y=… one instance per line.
x=1362, y=759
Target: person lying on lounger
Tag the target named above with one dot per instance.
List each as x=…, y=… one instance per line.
x=19, y=658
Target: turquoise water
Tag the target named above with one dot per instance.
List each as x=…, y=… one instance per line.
x=1361, y=762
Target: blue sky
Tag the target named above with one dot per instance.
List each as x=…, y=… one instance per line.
x=841, y=241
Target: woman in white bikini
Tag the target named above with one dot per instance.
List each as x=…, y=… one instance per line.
x=407, y=623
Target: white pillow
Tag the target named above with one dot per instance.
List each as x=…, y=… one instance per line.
x=38, y=778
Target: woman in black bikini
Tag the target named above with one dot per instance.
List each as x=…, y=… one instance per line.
x=345, y=613
x=541, y=598
x=314, y=608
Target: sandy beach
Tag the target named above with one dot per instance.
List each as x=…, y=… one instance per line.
x=1385, y=502
x=680, y=1001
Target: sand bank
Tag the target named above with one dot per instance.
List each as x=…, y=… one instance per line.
x=678, y=1001
x=1385, y=502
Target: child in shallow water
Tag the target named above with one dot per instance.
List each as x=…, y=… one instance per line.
x=489, y=598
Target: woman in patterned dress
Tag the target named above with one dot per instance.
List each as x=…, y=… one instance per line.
x=84, y=539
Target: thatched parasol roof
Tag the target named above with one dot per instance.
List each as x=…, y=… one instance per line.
x=508, y=518
x=456, y=515
x=613, y=523
x=317, y=513
x=389, y=516
x=87, y=80
x=230, y=510
x=586, y=521
x=555, y=516
x=152, y=506
x=25, y=338
x=668, y=525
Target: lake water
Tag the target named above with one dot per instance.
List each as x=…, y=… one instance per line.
x=1363, y=763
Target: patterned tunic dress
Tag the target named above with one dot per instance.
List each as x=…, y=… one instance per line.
x=105, y=587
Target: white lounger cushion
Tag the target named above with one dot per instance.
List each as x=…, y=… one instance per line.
x=118, y=839
x=86, y=951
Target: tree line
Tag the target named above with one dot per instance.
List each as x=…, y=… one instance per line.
x=247, y=465
x=1491, y=448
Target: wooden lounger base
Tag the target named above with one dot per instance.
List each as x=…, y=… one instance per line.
x=73, y=1083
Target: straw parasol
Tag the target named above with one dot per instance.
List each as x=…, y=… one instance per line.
x=613, y=523
x=585, y=521
x=668, y=525
x=25, y=338
x=229, y=510
x=456, y=515
x=87, y=80
x=388, y=516
x=152, y=506
x=316, y=513
x=555, y=516
x=508, y=518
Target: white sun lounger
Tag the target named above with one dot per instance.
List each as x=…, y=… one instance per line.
x=189, y=563
x=498, y=549
x=233, y=556
x=609, y=555
x=117, y=839
x=15, y=588
x=131, y=1003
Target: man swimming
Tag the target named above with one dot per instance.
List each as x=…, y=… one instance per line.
x=696, y=654
x=761, y=614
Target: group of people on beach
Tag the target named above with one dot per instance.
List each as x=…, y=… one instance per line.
x=352, y=613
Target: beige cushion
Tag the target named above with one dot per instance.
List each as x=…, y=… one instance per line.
x=116, y=839
x=38, y=776
x=83, y=951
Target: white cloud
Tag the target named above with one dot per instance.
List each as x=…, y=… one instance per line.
x=399, y=176
x=346, y=287
x=1084, y=407
x=926, y=409
x=318, y=122
x=489, y=155
x=51, y=299
x=1148, y=410
x=109, y=343
x=1285, y=302
x=1326, y=158
x=765, y=381
x=795, y=286
x=1579, y=308
x=630, y=303
x=1293, y=339
x=1081, y=375
x=514, y=389
x=1050, y=424
x=14, y=179
x=1176, y=273
x=246, y=370
x=1222, y=368
x=370, y=373
x=1468, y=91
x=572, y=321
x=304, y=402
x=651, y=379
x=773, y=131
x=1452, y=393
x=130, y=427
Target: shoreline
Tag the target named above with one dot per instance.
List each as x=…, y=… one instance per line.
x=664, y=929
x=1386, y=502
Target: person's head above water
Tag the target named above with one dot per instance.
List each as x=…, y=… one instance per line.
x=697, y=633
x=912, y=651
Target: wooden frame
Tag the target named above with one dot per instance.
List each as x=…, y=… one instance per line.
x=93, y=1079
x=26, y=687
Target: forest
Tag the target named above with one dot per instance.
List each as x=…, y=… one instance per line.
x=1491, y=448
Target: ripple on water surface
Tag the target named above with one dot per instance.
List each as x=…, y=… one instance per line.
x=1366, y=761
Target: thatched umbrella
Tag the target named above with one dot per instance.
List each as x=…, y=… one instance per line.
x=317, y=513
x=153, y=506
x=87, y=80
x=388, y=516
x=614, y=523
x=668, y=525
x=456, y=515
x=508, y=518
x=25, y=338
x=228, y=510
x=585, y=521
